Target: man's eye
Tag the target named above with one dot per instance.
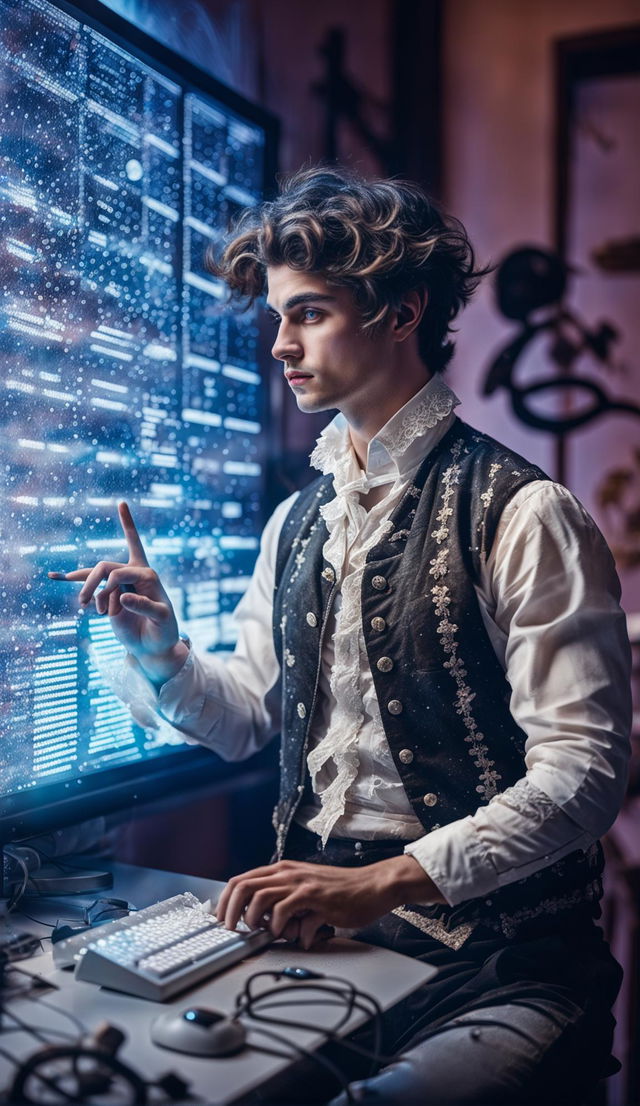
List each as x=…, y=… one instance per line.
x=311, y=315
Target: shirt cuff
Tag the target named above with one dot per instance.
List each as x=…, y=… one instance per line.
x=145, y=701
x=455, y=858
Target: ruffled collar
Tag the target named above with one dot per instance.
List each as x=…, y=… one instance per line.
x=396, y=449
x=394, y=454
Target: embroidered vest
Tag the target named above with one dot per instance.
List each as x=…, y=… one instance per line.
x=443, y=696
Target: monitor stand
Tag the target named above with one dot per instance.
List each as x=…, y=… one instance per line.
x=51, y=880
x=55, y=878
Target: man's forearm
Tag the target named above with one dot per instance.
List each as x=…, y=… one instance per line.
x=406, y=881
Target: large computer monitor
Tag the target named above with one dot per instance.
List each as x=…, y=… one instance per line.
x=124, y=376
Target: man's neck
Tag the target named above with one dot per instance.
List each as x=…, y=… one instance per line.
x=362, y=432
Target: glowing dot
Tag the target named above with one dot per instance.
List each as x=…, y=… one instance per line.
x=133, y=169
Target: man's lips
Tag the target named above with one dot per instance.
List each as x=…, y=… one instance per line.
x=296, y=376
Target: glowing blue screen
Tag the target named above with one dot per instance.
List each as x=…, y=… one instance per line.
x=124, y=375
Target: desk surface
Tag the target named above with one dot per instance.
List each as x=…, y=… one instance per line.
x=388, y=976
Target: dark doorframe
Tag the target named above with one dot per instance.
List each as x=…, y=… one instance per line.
x=417, y=82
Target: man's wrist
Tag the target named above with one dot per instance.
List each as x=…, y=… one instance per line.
x=408, y=882
x=158, y=669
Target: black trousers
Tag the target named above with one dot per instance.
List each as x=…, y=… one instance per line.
x=521, y=1021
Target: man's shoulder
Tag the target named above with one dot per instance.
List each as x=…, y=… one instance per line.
x=480, y=448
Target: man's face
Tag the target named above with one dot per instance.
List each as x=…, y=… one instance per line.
x=328, y=361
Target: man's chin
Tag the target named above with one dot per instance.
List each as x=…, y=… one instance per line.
x=312, y=405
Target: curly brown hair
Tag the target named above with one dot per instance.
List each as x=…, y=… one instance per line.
x=379, y=238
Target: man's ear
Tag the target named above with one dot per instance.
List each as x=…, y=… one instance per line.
x=409, y=313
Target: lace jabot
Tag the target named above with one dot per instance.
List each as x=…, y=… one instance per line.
x=393, y=456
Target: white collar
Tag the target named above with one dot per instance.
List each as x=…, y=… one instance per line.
x=396, y=449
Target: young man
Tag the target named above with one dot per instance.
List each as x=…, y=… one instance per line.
x=433, y=625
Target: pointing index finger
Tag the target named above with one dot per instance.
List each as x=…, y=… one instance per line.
x=137, y=554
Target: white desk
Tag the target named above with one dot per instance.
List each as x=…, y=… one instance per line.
x=386, y=975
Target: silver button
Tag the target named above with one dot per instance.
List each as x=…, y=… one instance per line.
x=405, y=756
x=311, y=619
x=358, y=846
x=302, y=710
x=379, y=583
x=385, y=664
x=378, y=624
x=394, y=706
x=430, y=799
x=329, y=574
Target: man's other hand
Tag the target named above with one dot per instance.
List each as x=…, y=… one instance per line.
x=295, y=899
x=132, y=594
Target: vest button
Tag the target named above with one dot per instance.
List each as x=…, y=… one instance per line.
x=430, y=799
x=311, y=619
x=378, y=624
x=329, y=574
x=357, y=846
x=379, y=583
x=405, y=756
x=385, y=664
x=302, y=710
x=394, y=706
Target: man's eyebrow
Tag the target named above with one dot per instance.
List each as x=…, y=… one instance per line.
x=303, y=297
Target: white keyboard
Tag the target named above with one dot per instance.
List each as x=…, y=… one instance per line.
x=158, y=951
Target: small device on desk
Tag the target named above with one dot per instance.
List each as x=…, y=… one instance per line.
x=158, y=951
x=198, y=1031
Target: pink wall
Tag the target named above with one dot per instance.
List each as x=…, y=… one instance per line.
x=291, y=36
x=499, y=117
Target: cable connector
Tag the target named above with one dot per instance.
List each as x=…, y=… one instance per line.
x=173, y=1086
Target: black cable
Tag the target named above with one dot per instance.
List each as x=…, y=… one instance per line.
x=18, y=1094
x=16, y=894
x=39, y=921
x=251, y=1001
x=373, y=1054
x=69, y=1052
x=313, y=984
x=7, y=1055
x=28, y=1029
x=24, y=991
x=43, y=1078
x=252, y=1005
x=58, y=1010
x=315, y=1057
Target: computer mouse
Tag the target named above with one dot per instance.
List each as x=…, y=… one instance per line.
x=198, y=1031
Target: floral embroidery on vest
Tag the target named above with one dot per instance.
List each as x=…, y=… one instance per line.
x=447, y=630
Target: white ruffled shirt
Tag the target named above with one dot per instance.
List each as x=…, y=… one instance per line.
x=548, y=597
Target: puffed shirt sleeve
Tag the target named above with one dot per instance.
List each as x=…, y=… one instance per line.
x=230, y=704
x=549, y=597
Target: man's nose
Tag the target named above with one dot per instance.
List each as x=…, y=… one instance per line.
x=286, y=346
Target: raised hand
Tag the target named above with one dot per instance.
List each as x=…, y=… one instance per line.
x=140, y=610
